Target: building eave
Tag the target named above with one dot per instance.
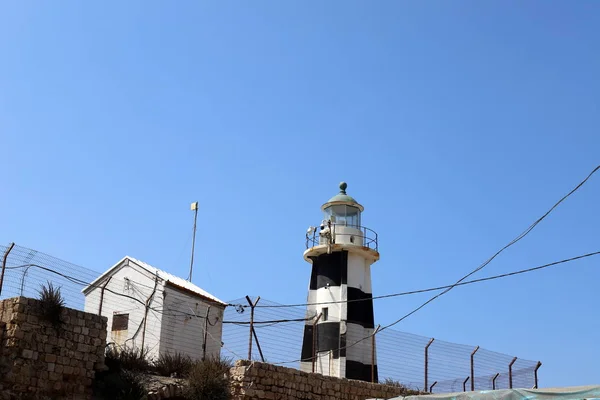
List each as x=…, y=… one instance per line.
x=194, y=294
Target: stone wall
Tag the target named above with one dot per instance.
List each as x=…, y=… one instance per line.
x=254, y=380
x=39, y=360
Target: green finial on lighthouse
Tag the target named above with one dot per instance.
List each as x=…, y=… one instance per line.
x=343, y=197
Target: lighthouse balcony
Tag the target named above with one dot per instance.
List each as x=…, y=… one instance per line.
x=342, y=234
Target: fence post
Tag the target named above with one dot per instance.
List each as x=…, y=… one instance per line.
x=431, y=387
x=205, y=333
x=258, y=345
x=314, y=342
x=465, y=384
x=10, y=247
x=510, y=381
x=373, y=353
x=473, y=369
x=252, y=305
x=427, y=363
x=102, y=295
x=494, y=381
x=535, y=374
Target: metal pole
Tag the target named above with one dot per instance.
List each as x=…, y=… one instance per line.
x=431, y=387
x=102, y=295
x=258, y=345
x=10, y=247
x=494, y=381
x=535, y=373
x=473, y=369
x=195, y=208
x=23, y=279
x=148, y=302
x=252, y=305
x=510, y=381
x=465, y=384
x=205, y=333
x=427, y=361
x=373, y=353
x=314, y=343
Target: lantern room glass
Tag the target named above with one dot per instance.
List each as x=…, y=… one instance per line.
x=343, y=215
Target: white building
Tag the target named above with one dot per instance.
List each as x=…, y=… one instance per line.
x=340, y=252
x=154, y=310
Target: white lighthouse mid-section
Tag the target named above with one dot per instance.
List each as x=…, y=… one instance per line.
x=340, y=310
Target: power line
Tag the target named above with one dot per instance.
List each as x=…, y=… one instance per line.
x=512, y=242
x=433, y=289
x=489, y=260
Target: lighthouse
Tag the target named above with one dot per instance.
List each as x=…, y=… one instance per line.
x=340, y=300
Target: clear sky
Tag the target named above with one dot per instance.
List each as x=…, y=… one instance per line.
x=455, y=123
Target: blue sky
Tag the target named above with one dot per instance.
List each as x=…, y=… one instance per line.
x=456, y=125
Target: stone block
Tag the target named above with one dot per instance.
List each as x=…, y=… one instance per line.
x=27, y=354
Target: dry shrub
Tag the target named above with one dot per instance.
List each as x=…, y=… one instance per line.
x=51, y=304
x=177, y=364
x=127, y=358
x=209, y=380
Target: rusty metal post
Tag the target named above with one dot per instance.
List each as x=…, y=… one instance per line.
x=373, y=353
x=494, y=381
x=473, y=369
x=535, y=374
x=252, y=305
x=427, y=362
x=431, y=387
x=465, y=383
x=510, y=380
x=10, y=247
x=314, y=342
x=102, y=295
x=205, y=333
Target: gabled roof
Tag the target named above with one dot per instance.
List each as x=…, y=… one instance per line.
x=169, y=279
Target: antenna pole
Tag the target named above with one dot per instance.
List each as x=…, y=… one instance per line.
x=194, y=208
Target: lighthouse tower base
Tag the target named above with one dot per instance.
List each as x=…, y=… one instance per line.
x=340, y=343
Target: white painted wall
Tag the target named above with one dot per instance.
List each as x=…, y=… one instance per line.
x=183, y=326
x=167, y=328
x=344, y=234
x=133, y=281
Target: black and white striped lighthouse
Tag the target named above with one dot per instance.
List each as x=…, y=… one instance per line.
x=340, y=297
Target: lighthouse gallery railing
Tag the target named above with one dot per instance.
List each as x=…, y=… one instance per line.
x=366, y=238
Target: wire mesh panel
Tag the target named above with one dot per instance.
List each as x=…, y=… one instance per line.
x=400, y=355
x=279, y=332
x=136, y=314
x=27, y=270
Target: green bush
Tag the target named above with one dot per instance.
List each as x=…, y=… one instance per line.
x=177, y=365
x=209, y=380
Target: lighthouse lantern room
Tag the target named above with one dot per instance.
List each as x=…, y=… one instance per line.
x=340, y=299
